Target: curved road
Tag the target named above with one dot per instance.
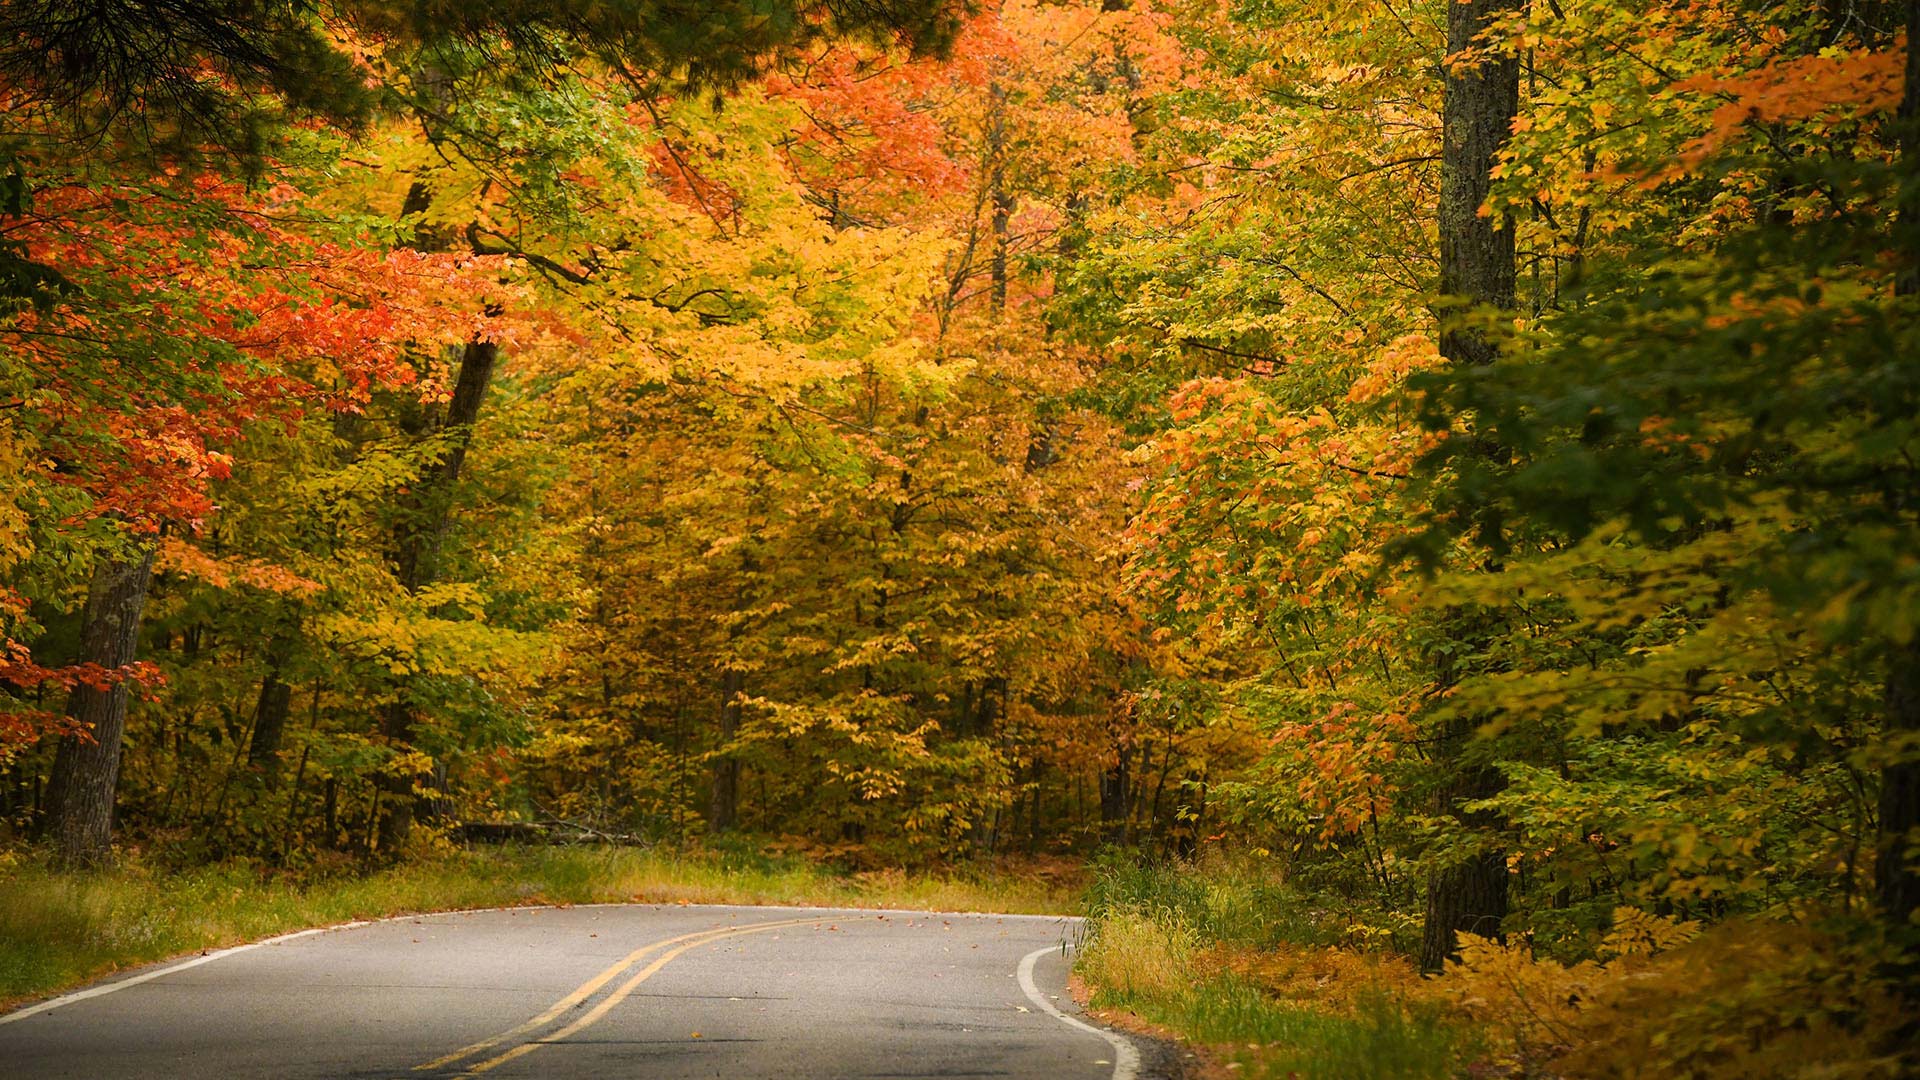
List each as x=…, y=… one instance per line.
x=660, y=992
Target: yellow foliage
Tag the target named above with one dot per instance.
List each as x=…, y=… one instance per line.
x=15, y=453
x=409, y=764
x=1639, y=933
x=1747, y=999
x=1336, y=980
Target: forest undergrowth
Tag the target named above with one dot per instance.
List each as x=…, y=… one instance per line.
x=1275, y=979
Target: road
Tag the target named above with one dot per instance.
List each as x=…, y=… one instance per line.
x=620, y=990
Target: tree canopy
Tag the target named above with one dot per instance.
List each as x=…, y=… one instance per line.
x=1462, y=454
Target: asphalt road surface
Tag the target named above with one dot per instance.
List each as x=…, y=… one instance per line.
x=625, y=990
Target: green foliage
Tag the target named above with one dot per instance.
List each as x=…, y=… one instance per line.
x=220, y=79
x=1386, y=1040
x=1242, y=901
x=1164, y=942
x=1171, y=944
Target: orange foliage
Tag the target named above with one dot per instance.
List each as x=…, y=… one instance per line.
x=1796, y=89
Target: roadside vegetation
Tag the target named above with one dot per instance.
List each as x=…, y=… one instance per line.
x=1263, y=976
x=1434, y=485
x=1297, y=982
x=61, y=928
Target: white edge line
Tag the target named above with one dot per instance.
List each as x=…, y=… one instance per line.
x=122, y=984
x=208, y=957
x=1126, y=1059
x=204, y=958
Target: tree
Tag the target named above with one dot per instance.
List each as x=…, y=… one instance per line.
x=1482, y=97
x=1703, y=470
x=133, y=79
x=80, y=814
x=129, y=77
x=132, y=450
x=1896, y=869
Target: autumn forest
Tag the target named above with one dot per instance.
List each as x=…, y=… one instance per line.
x=1433, y=480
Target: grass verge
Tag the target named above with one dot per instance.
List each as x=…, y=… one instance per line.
x=1241, y=1024
x=1272, y=981
x=1261, y=981
x=59, y=928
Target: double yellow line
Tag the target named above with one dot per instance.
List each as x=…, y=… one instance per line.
x=674, y=947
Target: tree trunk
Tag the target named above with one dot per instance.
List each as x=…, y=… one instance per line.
x=1476, y=251
x=1469, y=896
x=1896, y=882
x=723, y=798
x=330, y=811
x=417, y=560
x=271, y=711
x=1115, y=783
x=396, y=810
x=999, y=198
x=1476, y=273
x=87, y=764
x=424, y=527
x=1896, y=877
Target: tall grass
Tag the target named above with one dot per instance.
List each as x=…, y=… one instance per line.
x=1230, y=956
x=60, y=928
x=1384, y=1039
x=1238, y=902
x=1132, y=955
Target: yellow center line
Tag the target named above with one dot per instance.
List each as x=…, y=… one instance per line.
x=625, y=988
x=592, y=986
